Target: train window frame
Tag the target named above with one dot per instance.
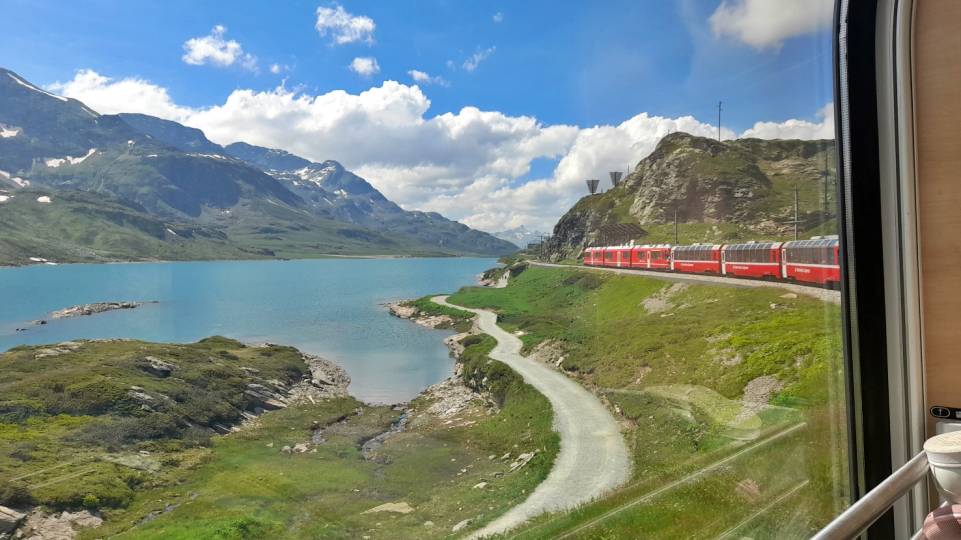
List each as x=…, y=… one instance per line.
x=878, y=250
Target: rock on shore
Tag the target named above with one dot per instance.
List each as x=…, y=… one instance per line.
x=96, y=307
x=413, y=314
x=327, y=380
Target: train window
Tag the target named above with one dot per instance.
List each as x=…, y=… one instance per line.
x=541, y=269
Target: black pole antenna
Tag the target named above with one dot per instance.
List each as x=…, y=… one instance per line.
x=719, y=121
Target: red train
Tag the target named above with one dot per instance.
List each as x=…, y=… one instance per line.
x=814, y=261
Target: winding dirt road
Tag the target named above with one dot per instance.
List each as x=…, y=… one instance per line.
x=593, y=457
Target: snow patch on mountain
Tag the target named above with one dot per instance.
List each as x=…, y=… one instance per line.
x=25, y=84
x=7, y=132
x=315, y=175
x=56, y=162
x=20, y=182
x=520, y=236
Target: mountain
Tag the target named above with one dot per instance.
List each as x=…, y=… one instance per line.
x=520, y=236
x=330, y=191
x=35, y=124
x=88, y=227
x=169, y=173
x=181, y=137
x=61, y=143
x=337, y=193
x=722, y=191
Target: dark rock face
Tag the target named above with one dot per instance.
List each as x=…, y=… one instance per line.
x=748, y=183
x=157, y=367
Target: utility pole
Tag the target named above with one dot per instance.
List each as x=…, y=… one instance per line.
x=675, y=224
x=795, y=211
x=825, y=174
x=719, y=121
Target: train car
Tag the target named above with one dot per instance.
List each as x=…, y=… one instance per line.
x=812, y=261
x=697, y=259
x=608, y=257
x=589, y=256
x=622, y=256
x=759, y=260
x=651, y=257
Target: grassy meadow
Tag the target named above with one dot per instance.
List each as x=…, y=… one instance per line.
x=674, y=362
x=73, y=437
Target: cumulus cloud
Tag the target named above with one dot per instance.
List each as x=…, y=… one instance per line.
x=276, y=69
x=767, y=23
x=426, y=78
x=498, y=17
x=344, y=27
x=364, y=66
x=111, y=96
x=475, y=59
x=213, y=49
x=796, y=129
x=470, y=165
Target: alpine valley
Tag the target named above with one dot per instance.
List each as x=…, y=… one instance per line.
x=79, y=186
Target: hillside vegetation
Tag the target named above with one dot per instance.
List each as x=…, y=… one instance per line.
x=697, y=374
x=102, y=426
x=722, y=191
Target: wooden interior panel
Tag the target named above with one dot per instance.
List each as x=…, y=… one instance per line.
x=937, y=94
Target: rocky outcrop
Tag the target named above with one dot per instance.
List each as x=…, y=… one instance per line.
x=748, y=182
x=403, y=311
x=9, y=519
x=327, y=380
x=92, y=309
x=157, y=367
x=59, y=526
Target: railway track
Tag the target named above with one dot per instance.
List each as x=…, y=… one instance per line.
x=826, y=295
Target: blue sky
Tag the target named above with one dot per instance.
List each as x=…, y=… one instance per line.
x=579, y=64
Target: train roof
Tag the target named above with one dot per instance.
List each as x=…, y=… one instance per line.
x=698, y=246
x=812, y=243
x=751, y=245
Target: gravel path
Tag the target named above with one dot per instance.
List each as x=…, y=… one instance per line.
x=826, y=295
x=593, y=457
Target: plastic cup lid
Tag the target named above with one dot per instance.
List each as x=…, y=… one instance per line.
x=944, y=448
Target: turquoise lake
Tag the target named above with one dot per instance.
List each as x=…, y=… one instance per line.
x=329, y=307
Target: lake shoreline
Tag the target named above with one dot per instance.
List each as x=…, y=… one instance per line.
x=327, y=307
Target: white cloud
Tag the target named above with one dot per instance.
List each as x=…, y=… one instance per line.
x=767, y=23
x=277, y=69
x=344, y=27
x=110, y=96
x=475, y=59
x=364, y=66
x=215, y=50
x=426, y=78
x=498, y=17
x=470, y=165
x=796, y=129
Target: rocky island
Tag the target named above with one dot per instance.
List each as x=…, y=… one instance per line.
x=96, y=307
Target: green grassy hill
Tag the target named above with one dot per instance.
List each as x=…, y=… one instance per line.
x=722, y=191
x=676, y=364
x=84, y=227
x=88, y=425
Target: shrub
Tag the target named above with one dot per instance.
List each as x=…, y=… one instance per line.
x=91, y=502
x=16, y=494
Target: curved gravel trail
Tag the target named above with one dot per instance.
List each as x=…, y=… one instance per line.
x=593, y=457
